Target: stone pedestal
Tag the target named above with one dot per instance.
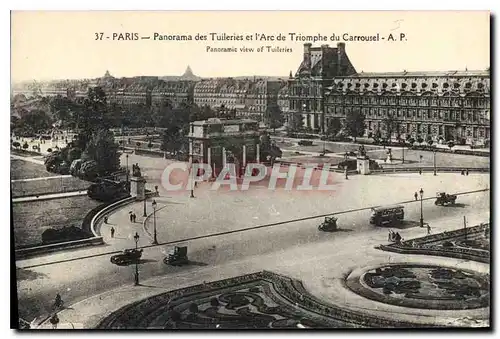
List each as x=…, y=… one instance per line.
x=138, y=188
x=363, y=166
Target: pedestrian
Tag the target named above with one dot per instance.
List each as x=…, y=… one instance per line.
x=467, y=171
x=428, y=229
x=106, y=219
x=134, y=217
x=420, y=171
x=416, y=196
x=462, y=173
x=112, y=232
x=131, y=217
x=54, y=320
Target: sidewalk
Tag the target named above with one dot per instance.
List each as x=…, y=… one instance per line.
x=316, y=265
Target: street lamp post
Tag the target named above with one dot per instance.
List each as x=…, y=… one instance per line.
x=421, y=208
x=155, y=240
x=192, y=181
x=434, y=161
x=126, y=157
x=346, y=156
x=136, y=276
x=403, y=143
x=145, y=198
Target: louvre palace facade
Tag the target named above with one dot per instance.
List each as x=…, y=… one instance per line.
x=452, y=105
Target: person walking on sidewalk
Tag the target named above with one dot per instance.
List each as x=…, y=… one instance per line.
x=131, y=216
x=106, y=219
x=416, y=196
x=54, y=320
x=428, y=229
x=112, y=232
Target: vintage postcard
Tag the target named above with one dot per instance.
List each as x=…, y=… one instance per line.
x=250, y=170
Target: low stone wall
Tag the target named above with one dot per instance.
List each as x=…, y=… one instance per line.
x=44, y=249
x=421, y=245
x=89, y=224
x=415, y=169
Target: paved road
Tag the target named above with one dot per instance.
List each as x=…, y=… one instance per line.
x=77, y=280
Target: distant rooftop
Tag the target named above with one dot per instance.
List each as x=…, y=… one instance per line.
x=422, y=74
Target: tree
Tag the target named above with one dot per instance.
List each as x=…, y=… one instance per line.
x=333, y=128
x=93, y=116
x=355, y=123
x=150, y=145
x=16, y=144
x=430, y=142
x=274, y=117
x=389, y=125
x=104, y=151
x=420, y=140
x=25, y=145
x=451, y=144
x=377, y=136
x=296, y=123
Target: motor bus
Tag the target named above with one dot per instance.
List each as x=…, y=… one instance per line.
x=384, y=215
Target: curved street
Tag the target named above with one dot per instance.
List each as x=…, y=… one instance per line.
x=297, y=248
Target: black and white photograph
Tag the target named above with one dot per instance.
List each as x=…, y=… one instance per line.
x=250, y=170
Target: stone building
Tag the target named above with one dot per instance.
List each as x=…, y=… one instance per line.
x=250, y=98
x=440, y=106
x=220, y=141
x=174, y=93
x=306, y=90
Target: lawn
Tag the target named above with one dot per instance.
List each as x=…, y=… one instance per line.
x=31, y=219
x=49, y=185
x=20, y=169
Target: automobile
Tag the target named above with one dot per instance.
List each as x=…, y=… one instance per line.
x=445, y=199
x=127, y=257
x=329, y=225
x=384, y=215
x=305, y=143
x=177, y=257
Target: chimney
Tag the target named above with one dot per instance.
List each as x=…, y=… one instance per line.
x=324, y=60
x=307, y=56
x=340, y=52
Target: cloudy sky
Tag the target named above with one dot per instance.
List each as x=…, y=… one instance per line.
x=55, y=45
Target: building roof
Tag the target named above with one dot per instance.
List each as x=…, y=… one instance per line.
x=325, y=62
x=464, y=73
x=221, y=121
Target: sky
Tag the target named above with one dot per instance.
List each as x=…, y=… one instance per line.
x=49, y=45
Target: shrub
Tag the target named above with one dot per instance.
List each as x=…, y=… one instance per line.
x=49, y=150
x=16, y=144
x=25, y=145
x=70, y=233
x=88, y=170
